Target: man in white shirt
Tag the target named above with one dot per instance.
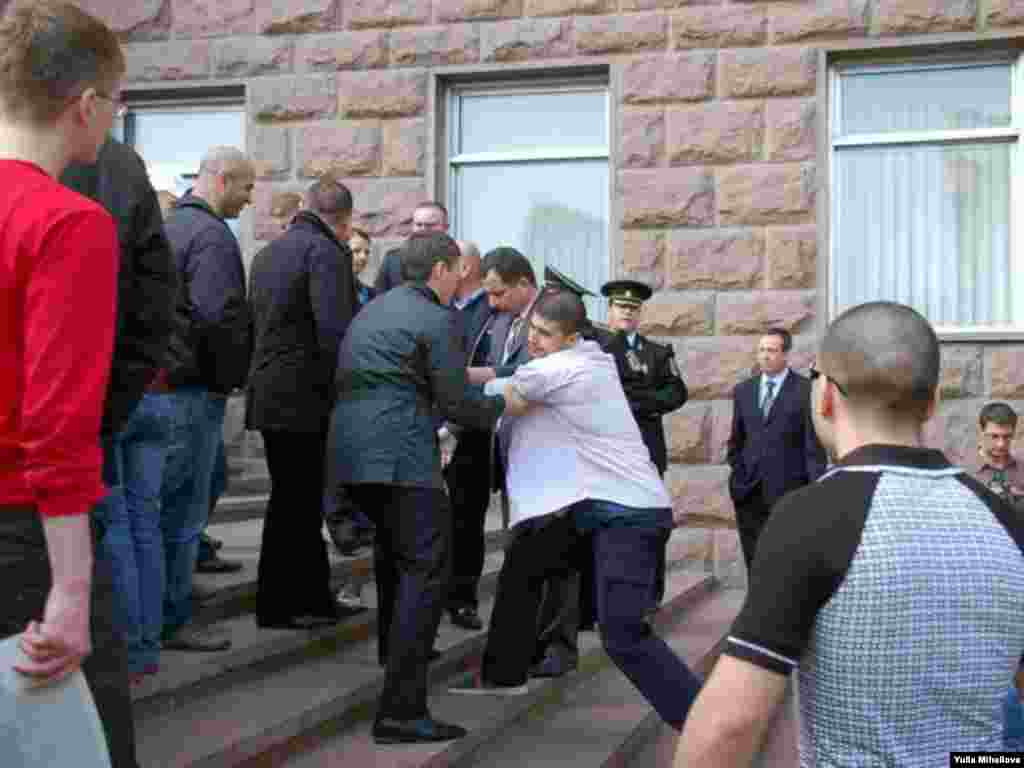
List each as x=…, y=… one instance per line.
x=577, y=464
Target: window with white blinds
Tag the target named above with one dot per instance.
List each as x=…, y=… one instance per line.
x=924, y=160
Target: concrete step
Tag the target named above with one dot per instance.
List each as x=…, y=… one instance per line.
x=488, y=718
x=604, y=720
x=237, y=507
x=779, y=750
x=277, y=690
x=235, y=593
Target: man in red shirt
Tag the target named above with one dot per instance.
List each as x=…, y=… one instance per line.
x=60, y=73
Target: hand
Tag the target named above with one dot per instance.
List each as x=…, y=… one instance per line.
x=515, y=403
x=448, y=443
x=56, y=647
x=479, y=375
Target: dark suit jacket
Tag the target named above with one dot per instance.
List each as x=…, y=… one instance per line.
x=302, y=296
x=390, y=273
x=472, y=319
x=781, y=453
x=653, y=386
x=401, y=364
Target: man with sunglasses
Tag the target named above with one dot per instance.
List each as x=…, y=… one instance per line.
x=772, y=448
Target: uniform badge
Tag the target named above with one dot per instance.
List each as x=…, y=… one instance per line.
x=634, y=362
x=673, y=367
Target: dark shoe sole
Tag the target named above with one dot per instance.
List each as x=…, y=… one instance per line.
x=219, y=566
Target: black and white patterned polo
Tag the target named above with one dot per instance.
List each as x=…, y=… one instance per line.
x=896, y=585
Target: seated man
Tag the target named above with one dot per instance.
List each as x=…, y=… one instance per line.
x=577, y=464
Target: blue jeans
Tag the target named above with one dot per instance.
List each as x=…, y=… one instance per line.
x=218, y=484
x=197, y=423
x=128, y=521
x=1013, y=730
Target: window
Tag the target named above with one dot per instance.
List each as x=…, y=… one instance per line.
x=172, y=139
x=528, y=167
x=924, y=160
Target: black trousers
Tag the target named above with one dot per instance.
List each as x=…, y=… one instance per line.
x=294, y=572
x=25, y=565
x=411, y=563
x=751, y=515
x=469, y=489
x=540, y=550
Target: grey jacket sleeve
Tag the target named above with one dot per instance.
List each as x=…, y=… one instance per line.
x=456, y=399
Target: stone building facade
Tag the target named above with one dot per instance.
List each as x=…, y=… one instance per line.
x=718, y=154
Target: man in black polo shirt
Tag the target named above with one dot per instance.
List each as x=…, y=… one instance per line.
x=895, y=583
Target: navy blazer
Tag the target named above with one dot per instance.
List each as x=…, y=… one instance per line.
x=779, y=453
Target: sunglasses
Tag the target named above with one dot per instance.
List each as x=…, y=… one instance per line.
x=814, y=373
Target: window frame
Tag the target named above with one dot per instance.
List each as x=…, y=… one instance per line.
x=453, y=85
x=870, y=58
x=189, y=100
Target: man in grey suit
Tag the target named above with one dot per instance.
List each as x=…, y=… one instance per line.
x=401, y=366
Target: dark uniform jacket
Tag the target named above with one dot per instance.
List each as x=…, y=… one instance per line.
x=302, y=295
x=401, y=365
x=779, y=453
x=147, y=282
x=653, y=386
x=211, y=344
x=390, y=273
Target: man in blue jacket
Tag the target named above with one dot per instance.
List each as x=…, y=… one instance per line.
x=209, y=357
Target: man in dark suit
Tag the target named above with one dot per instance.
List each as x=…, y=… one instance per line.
x=401, y=364
x=772, y=448
x=303, y=297
x=468, y=474
x=429, y=216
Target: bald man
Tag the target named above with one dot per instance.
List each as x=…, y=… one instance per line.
x=468, y=473
x=894, y=585
x=209, y=357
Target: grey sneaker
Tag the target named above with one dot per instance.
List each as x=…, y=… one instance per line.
x=349, y=596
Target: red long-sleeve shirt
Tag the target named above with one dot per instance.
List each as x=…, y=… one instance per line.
x=58, y=283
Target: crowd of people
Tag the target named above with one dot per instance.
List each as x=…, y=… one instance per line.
x=890, y=579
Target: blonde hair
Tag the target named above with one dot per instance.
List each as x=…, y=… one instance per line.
x=50, y=52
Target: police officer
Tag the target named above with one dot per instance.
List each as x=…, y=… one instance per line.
x=647, y=369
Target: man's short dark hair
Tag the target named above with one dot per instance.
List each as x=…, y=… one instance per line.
x=509, y=264
x=998, y=413
x=782, y=333
x=565, y=309
x=886, y=357
x=423, y=251
x=329, y=197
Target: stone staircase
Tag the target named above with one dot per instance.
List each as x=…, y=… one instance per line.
x=307, y=698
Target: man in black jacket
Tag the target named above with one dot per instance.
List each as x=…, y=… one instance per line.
x=429, y=216
x=134, y=432
x=401, y=365
x=209, y=357
x=302, y=295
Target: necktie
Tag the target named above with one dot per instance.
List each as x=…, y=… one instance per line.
x=766, y=403
x=510, y=340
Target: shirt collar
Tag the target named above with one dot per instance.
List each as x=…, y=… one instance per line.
x=463, y=303
x=778, y=378
x=631, y=338
x=983, y=464
x=878, y=454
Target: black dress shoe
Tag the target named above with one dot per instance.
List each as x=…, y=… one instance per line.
x=467, y=618
x=426, y=729
x=298, y=622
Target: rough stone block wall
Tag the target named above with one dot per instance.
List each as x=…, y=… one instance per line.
x=715, y=156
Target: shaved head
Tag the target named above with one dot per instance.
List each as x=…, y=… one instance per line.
x=222, y=160
x=886, y=356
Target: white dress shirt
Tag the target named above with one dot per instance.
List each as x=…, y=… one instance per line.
x=578, y=440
